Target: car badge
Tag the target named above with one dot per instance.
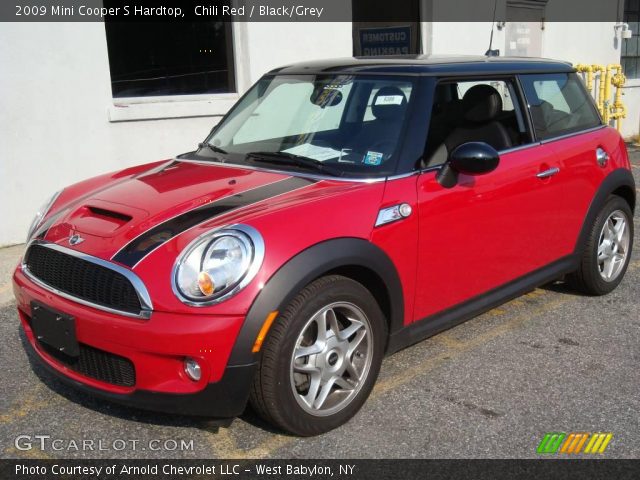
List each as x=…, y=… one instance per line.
x=75, y=239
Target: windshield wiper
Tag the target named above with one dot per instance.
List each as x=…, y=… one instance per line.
x=211, y=147
x=285, y=158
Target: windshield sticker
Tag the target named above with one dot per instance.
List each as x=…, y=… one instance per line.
x=389, y=100
x=372, y=158
x=344, y=154
x=313, y=151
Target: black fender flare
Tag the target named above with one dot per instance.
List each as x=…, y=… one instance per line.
x=305, y=267
x=620, y=177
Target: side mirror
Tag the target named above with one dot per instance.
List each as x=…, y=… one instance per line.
x=473, y=158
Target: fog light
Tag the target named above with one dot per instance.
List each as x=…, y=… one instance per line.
x=192, y=369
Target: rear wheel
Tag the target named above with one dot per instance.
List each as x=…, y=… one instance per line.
x=321, y=358
x=608, y=250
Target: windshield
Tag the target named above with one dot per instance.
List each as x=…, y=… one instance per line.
x=342, y=125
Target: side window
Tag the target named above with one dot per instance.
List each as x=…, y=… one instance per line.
x=502, y=87
x=559, y=104
x=474, y=111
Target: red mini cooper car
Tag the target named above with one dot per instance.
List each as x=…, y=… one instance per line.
x=341, y=211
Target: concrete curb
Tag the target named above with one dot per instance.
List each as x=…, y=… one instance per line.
x=9, y=257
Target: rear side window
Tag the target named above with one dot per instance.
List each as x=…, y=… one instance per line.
x=559, y=104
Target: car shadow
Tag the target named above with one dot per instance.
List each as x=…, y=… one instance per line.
x=560, y=286
x=252, y=418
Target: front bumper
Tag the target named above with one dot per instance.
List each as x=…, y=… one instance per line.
x=156, y=347
x=226, y=398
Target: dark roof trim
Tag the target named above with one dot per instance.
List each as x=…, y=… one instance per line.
x=433, y=73
x=426, y=66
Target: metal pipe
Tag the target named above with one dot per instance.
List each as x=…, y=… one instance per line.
x=601, y=69
x=588, y=69
x=618, y=111
x=608, y=76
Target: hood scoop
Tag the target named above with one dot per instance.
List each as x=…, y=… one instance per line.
x=104, y=219
x=104, y=213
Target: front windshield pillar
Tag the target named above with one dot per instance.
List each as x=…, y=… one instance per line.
x=415, y=140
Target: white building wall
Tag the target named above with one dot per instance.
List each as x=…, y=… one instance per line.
x=594, y=43
x=581, y=43
x=276, y=44
x=631, y=99
x=462, y=38
x=56, y=105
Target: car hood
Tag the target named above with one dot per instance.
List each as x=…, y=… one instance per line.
x=127, y=217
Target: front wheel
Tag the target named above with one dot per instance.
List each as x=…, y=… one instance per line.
x=321, y=357
x=607, y=252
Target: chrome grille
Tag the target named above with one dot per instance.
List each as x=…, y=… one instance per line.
x=83, y=279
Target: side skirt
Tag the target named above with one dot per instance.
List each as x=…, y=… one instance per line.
x=433, y=324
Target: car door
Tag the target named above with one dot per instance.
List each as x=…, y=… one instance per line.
x=566, y=122
x=487, y=230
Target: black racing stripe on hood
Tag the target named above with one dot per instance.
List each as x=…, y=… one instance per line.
x=145, y=243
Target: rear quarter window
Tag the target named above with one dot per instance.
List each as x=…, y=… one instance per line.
x=559, y=104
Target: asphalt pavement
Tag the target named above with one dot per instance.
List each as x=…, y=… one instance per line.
x=490, y=388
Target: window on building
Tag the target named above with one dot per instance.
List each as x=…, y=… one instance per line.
x=381, y=27
x=631, y=47
x=559, y=104
x=170, y=58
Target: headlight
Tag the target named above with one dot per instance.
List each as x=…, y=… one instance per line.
x=217, y=265
x=40, y=214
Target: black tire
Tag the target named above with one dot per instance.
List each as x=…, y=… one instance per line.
x=587, y=279
x=272, y=393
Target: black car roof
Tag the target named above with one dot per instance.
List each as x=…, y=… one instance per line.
x=428, y=65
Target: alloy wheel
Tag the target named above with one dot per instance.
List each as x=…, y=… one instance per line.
x=613, y=246
x=331, y=359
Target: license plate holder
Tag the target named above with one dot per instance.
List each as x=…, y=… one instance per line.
x=56, y=329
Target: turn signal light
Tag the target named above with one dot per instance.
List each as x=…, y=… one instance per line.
x=205, y=284
x=263, y=331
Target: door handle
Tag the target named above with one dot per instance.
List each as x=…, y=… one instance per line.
x=548, y=173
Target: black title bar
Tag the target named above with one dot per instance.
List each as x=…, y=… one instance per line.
x=547, y=469
x=311, y=10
